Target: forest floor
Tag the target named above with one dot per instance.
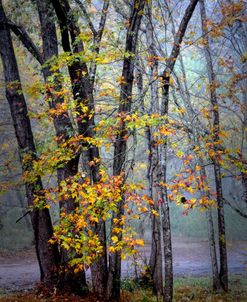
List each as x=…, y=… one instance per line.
x=185, y=290
x=19, y=270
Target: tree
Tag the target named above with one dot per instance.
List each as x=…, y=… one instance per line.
x=155, y=261
x=74, y=282
x=168, y=290
x=217, y=168
x=120, y=145
x=106, y=130
x=82, y=87
x=48, y=256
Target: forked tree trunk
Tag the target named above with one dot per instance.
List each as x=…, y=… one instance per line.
x=69, y=280
x=120, y=146
x=192, y=115
x=48, y=256
x=83, y=93
x=168, y=288
x=216, y=139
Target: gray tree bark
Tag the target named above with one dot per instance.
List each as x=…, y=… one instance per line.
x=168, y=288
x=155, y=262
x=211, y=240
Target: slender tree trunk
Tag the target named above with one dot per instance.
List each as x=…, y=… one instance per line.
x=212, y=247
x=244, y=126
x=242, y=33
x=120, y=146
x=166, y=226
x=217, y=169
x=168, y=288
x=211, y=240
x=48, y=256
x=221, y=228
x=155, y=262
x=211, y=234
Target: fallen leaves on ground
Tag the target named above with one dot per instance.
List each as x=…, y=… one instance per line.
x=32, y=297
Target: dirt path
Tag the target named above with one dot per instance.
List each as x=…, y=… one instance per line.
x=19, y=271
x=192, y=258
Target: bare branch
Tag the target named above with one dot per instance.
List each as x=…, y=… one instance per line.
x=235, y=209
x=98, y=38
x=180, y=34
x=26, y=40
x=86, y=14
x=102, y=20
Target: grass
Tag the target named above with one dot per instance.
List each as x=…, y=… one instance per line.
x=185, y=290
x=199, y=289
x=195, y=289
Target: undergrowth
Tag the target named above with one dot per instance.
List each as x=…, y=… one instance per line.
x=185, y=289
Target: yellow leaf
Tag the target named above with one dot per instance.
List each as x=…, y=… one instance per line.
x=180, y=153
x=155, y=213
x=94, y=219
x=111, y=249
x=76, y=270
x=211, y=152
x=144, y=209
x=114, y=239
x=140, y=242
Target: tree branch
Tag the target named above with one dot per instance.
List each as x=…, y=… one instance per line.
x=26, y=40
x=97, y=39
x=235, y=209
x=29, y=211
x=180, y=34
x=86, y=14
x=102, y=20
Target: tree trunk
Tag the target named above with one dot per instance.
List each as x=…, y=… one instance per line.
x=212, y=247
x=72, y=282
x=48, y=256
x=83, y=93
x=168, y=288
x=242, y=34
x=194, y=130
x=216, y=138
x=211, y=240
x=155, y=262
x=166, y=227
x=120, y=146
